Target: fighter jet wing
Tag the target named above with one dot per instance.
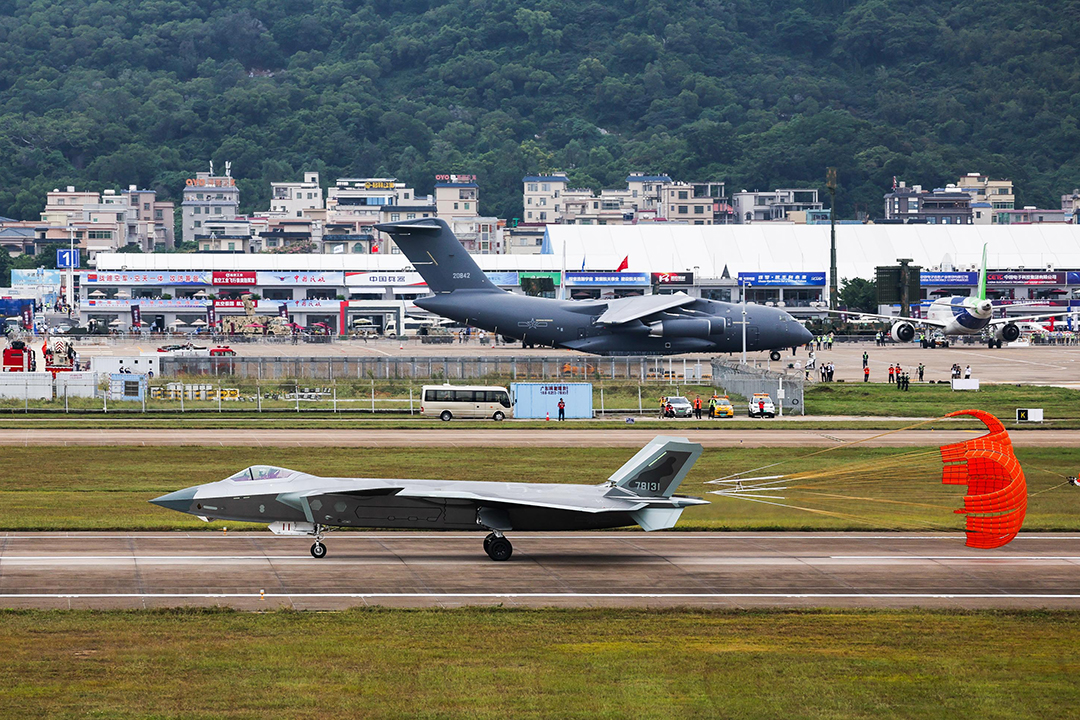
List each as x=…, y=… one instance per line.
x=622, y=310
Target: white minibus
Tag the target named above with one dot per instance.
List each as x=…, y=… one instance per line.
x=466, y=401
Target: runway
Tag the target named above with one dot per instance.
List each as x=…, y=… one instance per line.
x=565, y=436
x=738, y=570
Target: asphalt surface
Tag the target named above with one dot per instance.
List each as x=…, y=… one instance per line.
x=466, y=437
x=259, y=571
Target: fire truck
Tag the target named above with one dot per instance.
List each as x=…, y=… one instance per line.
x=58, y=355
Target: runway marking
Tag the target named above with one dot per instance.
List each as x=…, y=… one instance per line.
x=579, y=595
x=997, y=558
x=984, y=356
x=437, y=536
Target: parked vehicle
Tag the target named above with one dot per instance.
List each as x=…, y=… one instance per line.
x=465, y=401
x=761, y=405
x=680, y=407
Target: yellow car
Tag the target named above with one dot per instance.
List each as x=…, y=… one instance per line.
x=724, y=408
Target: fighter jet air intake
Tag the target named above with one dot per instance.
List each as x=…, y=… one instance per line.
x=642, y=325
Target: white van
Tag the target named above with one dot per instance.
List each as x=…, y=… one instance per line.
x=466, y=401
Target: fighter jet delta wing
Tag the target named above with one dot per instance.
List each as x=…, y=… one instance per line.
x=624, y=310
x=295, y=503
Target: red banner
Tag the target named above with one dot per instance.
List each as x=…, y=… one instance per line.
x=232, y=277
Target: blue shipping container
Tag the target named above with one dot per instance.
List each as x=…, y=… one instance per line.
x=536, y=400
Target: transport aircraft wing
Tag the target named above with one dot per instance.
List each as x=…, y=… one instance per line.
x=623, y=310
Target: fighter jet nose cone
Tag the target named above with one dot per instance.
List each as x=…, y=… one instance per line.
x=180, y=500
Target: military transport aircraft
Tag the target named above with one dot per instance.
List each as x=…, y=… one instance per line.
x=959, y=315
x=296, y=503
x=642, y=325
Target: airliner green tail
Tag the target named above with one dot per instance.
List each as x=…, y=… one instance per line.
x=982, y=276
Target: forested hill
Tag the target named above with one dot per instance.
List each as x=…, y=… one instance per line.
x=759, y=93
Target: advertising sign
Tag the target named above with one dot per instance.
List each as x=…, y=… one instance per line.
x=683, y=278
x=211, y=315
x=149, y=304
x=623, y=279
x=540, y=400
x=555, y=277
x=783, y=279
x=283, y=311
x=28, y=316
x=155, y=277
x=1024, y=277
x=504, y=279
x=455, y=178
x=136, y=316
x=1073, y=277
x=383, y=279
x=36, y=278
x=274, y=306
x=300, y=278
x=233, y=277
x=948, y=278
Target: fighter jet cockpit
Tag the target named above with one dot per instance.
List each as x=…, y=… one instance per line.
x=256, y=473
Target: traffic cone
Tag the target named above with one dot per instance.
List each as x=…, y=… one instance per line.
x=547, y=416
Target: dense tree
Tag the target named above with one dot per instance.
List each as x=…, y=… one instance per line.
x=757, y=94
x=858, y=294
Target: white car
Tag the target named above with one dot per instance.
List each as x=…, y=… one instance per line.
x=680, y=407
x=761, y=405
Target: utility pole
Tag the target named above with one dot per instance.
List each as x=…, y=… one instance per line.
x=830, y=184
x=745, y=284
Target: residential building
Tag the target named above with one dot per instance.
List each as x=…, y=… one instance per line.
x=149, y=221
x=1070, y=203
x=751, y=207
x=525, y=239
x=479, y=235
x=457, y=196
x=17, y=237
x=942, y=206
x=1029, y=214
x=685, y=202
x=294, y=199
x=543, y=198
x=355, y=205
x=207, y=198
x=98, y=223
x=232, y=235
x=988, y=197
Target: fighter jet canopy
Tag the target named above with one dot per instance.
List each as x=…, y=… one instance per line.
x=256, y=473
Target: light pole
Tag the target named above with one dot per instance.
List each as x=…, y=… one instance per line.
x=745, y=284
x=71, y=268
x=830, y=183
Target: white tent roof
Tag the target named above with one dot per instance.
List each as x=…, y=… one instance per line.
x=761, y=247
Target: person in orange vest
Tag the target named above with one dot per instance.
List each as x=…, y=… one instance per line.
x=892, y=373
x=562, y=409
x=697, y=407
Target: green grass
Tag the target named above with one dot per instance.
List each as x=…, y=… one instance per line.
x=499, y=663
x=932, y=401
x=96, y=488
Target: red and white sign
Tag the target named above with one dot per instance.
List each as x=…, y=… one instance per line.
x=232, y=277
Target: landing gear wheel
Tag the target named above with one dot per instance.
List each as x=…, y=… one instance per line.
x=498, y=548
x=774, y=355
x=487, y=541
x=318, y=550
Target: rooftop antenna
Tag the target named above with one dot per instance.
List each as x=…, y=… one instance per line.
x=228, y=168
x=211, y=168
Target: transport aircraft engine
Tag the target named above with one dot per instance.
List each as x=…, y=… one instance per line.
x=688, y=327
x=903, y=332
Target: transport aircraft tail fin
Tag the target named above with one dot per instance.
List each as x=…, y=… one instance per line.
x=982, y=276
x=658, y=468
x=437, y=255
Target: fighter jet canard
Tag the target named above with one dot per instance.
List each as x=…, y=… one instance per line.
x=291, y=502
x=642, y=325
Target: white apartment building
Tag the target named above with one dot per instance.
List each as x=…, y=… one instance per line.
x=355, y=205
x=207, y=198
x=294, y=199
x=989, y=198
x=107, y=221
x=773, y=205
x=457, y=196
x=543, y=198
x=681, y=202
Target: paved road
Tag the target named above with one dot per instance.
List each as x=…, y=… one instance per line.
x=257, y=570
x=466, y=437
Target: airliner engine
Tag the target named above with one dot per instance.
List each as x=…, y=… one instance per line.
x=1008, y=332
x=903, y=332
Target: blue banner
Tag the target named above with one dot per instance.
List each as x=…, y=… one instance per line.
x=504, y=279
x=949, y=278
x=783, y=279
x=609, y=279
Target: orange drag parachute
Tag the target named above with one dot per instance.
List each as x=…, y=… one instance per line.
x=997, y=491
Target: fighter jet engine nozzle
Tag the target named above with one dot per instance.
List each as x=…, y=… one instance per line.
x=688, y=327
x=903, y=332
x=1008, y=332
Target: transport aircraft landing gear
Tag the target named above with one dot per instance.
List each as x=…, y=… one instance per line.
x=498, y=547
x=774, y=355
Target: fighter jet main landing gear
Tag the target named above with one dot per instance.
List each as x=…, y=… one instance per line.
x=498, y=547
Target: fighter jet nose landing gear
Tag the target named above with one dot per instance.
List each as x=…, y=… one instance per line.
x=498, y=547
x=318, y=550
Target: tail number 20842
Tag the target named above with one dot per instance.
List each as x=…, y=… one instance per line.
x=459, y=276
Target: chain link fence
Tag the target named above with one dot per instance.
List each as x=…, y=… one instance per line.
x=786, y=389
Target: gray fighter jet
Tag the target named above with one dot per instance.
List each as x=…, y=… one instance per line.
x=296, y=503
x=643, y=325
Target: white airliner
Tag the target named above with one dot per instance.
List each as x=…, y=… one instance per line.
x=958, y=315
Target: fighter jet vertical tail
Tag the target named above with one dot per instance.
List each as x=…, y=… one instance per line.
x=658, y=468
x=437, y=255
x=982, y=276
